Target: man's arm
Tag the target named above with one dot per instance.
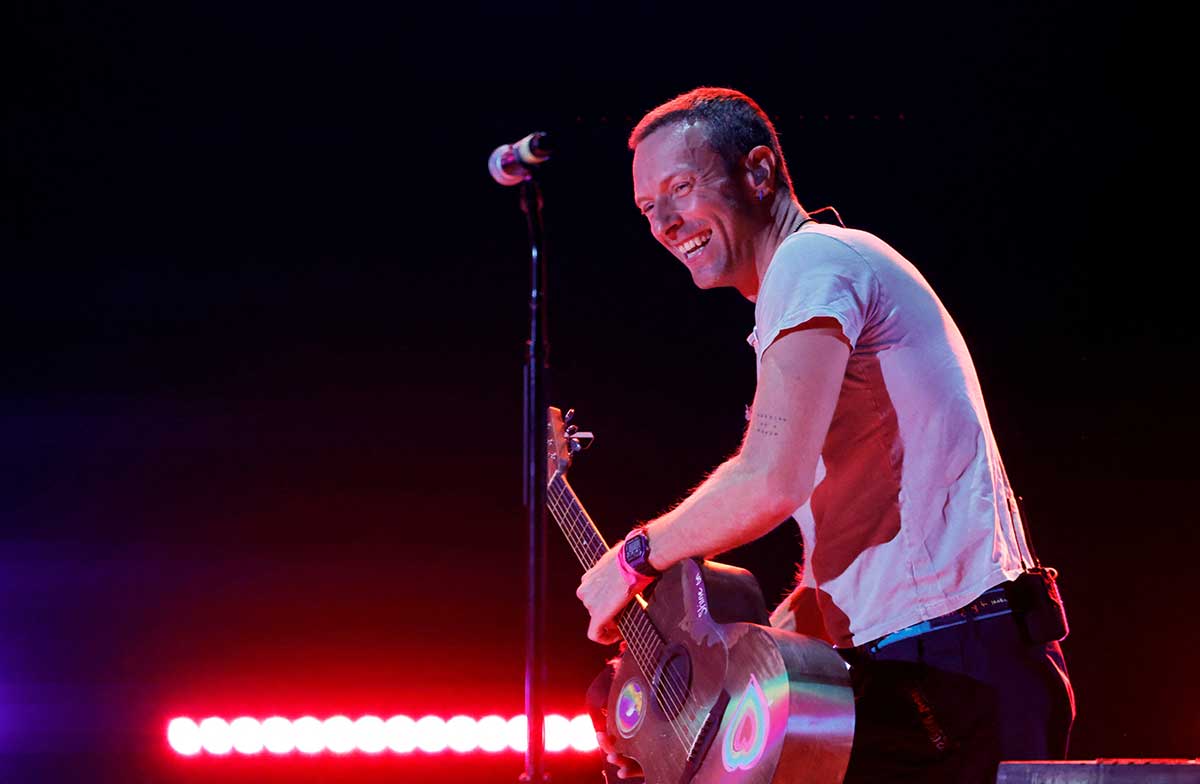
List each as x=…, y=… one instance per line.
x=770, y=476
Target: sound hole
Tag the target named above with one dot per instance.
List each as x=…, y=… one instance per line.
x=672, y=680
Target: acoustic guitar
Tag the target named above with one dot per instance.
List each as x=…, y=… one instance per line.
x=705, y=691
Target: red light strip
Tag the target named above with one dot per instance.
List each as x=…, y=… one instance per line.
x=372, y=735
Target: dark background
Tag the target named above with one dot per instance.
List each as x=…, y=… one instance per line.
x=264, y=314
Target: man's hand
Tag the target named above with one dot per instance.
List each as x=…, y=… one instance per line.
x=783, y=618
x=604, y=593
x=801, y=613
x=626, y=767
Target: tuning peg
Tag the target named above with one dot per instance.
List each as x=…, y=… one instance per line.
x=567, y=417
x=581, y=441
x=571, y=430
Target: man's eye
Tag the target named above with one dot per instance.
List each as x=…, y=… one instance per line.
x=646, y=210
x=682, y=188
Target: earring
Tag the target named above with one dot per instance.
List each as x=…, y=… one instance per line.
x=760, y=193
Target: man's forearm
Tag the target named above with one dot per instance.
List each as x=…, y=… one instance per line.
x=736, y=504
x=799, y=379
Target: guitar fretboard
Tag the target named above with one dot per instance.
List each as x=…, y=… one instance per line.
x=641, y=638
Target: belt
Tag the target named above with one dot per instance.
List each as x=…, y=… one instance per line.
x=990, y=604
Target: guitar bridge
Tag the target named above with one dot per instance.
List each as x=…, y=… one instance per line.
x=704, y=738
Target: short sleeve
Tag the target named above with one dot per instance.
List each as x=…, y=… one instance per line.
x=814, y=275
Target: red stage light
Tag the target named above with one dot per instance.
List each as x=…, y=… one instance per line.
x=556, y=732
x=184, y=736
x=339, y=734
x=309, y=734
x=431, y=734
x=462, y=734
x=247, y=735
x=215, y=736
x=278, y=735
x=493, y=733
x=401, y=734
x=371, y=734
x=583, y=734
x=517, y=733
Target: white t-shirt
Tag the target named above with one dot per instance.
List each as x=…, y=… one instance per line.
x=908, y=518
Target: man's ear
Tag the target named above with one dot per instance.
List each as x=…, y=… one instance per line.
x=760, y=169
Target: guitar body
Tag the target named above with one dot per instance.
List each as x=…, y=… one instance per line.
x=730, y=699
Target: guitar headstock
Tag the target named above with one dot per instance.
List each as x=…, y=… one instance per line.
x=564, y=441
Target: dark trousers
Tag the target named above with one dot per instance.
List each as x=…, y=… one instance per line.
x=949, y=705
x=946, y=706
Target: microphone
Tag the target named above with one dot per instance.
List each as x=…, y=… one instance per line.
x=511, y=164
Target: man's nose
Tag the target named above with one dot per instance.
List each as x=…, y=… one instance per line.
x=666, y=219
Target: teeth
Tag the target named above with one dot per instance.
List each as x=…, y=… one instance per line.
x=699, y=241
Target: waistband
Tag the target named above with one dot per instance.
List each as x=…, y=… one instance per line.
x=990, y=604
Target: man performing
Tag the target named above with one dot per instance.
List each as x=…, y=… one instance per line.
x=869, y=428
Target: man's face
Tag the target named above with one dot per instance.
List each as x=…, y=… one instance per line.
x=697, y=209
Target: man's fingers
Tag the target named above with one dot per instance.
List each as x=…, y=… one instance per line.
x=605, y=634
x=628, y=770
x=784, y=619
x=626, y=767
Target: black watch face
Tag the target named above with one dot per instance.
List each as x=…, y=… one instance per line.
x=635, y=549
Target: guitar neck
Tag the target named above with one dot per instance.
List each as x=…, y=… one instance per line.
x=644, y=640
x=576, y=524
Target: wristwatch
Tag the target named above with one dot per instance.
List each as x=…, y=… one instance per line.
x=635, y=552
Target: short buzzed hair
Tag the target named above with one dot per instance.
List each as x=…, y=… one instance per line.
x=734, y=123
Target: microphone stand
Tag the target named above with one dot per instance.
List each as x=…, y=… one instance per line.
x=536, y=456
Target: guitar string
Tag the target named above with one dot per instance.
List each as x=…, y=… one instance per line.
x=644, y=639
x=675, y=693
x=639, y=639
x=636, y=640
x=645, y=635
x=642, y=636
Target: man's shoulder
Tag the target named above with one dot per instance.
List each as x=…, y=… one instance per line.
x=824, y=240
x=855, y=253
x=819, y=251
x=820, y=271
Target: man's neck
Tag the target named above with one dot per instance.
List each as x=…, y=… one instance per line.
x=785, y=217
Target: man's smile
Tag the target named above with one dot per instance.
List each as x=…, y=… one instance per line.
x=693, y=246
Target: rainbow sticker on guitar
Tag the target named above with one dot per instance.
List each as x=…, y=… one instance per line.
x=631, y=708
x=746, y=727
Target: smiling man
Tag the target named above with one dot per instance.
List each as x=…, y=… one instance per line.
x=869, y=428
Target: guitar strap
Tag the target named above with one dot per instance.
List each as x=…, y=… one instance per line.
x=1033, y=596
x=1017, y=510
